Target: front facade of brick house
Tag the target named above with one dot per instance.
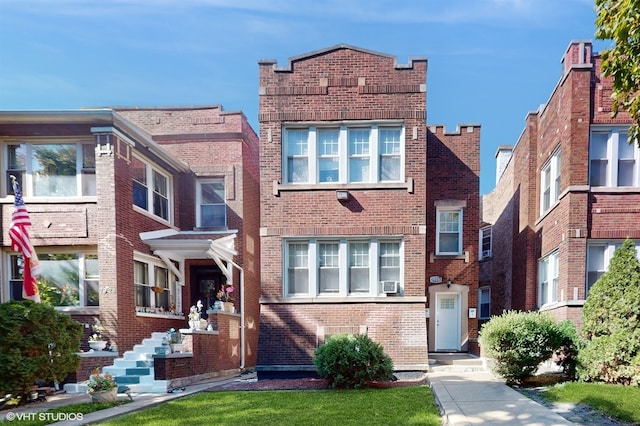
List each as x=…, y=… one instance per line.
x=127, y=208
x=349, y=212
x=568, y=196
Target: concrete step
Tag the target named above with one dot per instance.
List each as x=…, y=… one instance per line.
x=456, y=362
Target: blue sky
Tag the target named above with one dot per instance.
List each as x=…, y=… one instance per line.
x=490, y=61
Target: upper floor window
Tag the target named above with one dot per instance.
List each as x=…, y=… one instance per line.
x=550, y=182
x=67, y=279
x=599, y=254
x=449, y=231
x=613, y=161
x=367, y=267
x=344, y=154
x=211, y=202
x=52, y=169
x=548, y=272
x=151, y=188
x=485, y=242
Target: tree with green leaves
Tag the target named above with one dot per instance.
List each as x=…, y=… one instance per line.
x=619, y=21
x=611, y=314
x=38, y=344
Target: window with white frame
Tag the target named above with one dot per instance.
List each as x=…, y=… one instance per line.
x=599, y=254
x=550, y=182
x=66, y=279
x=154, y=284
x=212, y=207
x=52, y=169
x=485, y=242
x=613, y=162
x=151, y=188
x=344, y=153
x=484, y=298
x=449, y=231
x=330, y=267
x=548, y=272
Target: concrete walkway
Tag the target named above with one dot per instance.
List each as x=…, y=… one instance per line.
x=479, y=398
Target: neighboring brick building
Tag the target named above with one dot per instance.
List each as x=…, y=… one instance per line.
x=130, y=206
x=569, y=195
x=353, y=188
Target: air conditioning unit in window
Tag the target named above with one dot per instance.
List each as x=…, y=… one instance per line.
x=486, y=253
x=390, y=287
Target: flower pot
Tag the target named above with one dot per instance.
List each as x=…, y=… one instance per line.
x=176, y=347
x=104, y=396
x=228, y=307
x=98, y=345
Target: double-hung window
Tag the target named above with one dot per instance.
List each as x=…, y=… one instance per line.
x=613, y=162
x=52, y=169
x=599, y=254
x=484, y=297
x=66, y=279
x=151, y=188
x=485, y=242
x=329, y=267
x=154, y=284
x=212, y=207
x=550, y=182
x=548, y=272
x=344, y=153
x=449, y=232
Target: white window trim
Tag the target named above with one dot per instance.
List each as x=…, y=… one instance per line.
x=199, y=183
x=82, y=276
x=460, y=230
x=609, y=251
x=551, y=261
x=152, y=262
x=486, y=254
x=150, y=167
x=553, y=165
x=343, y=152
x=27, y=184
x=613, y=157
x=343, y=252
x=480, y=291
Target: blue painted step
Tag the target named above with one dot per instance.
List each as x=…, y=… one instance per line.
x=127, y=380
x=144, y=363
x=138, y=371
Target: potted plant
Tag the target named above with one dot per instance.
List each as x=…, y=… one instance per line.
x=174, y=339
x=102, y=387
x=224, y=296
x=96, y=341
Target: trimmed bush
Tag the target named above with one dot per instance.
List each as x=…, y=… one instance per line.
x=27, y=353
x=519, y=342
x=611, y=329
x=352, y=361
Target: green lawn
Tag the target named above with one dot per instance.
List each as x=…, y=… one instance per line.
x=413, y=405
x=621, y=402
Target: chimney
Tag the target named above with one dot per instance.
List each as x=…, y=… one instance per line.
x=503, y=155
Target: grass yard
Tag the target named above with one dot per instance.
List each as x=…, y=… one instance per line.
x=414, y=405
x=621, y=402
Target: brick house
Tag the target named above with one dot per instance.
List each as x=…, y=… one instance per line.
x=567, y=194
x=138, y=213
x=354, y=189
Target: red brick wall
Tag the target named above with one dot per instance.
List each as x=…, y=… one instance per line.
x=335, y=85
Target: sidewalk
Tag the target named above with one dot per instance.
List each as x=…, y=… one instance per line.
x=478, y=397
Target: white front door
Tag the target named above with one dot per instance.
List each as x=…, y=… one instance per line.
x=447, y=322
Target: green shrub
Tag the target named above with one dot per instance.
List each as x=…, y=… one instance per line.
x=352, y=361
x=566, y=355
x=519, y=342
x=27, y=353
x=611, y=329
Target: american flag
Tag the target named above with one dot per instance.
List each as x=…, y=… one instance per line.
x=21, y=243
